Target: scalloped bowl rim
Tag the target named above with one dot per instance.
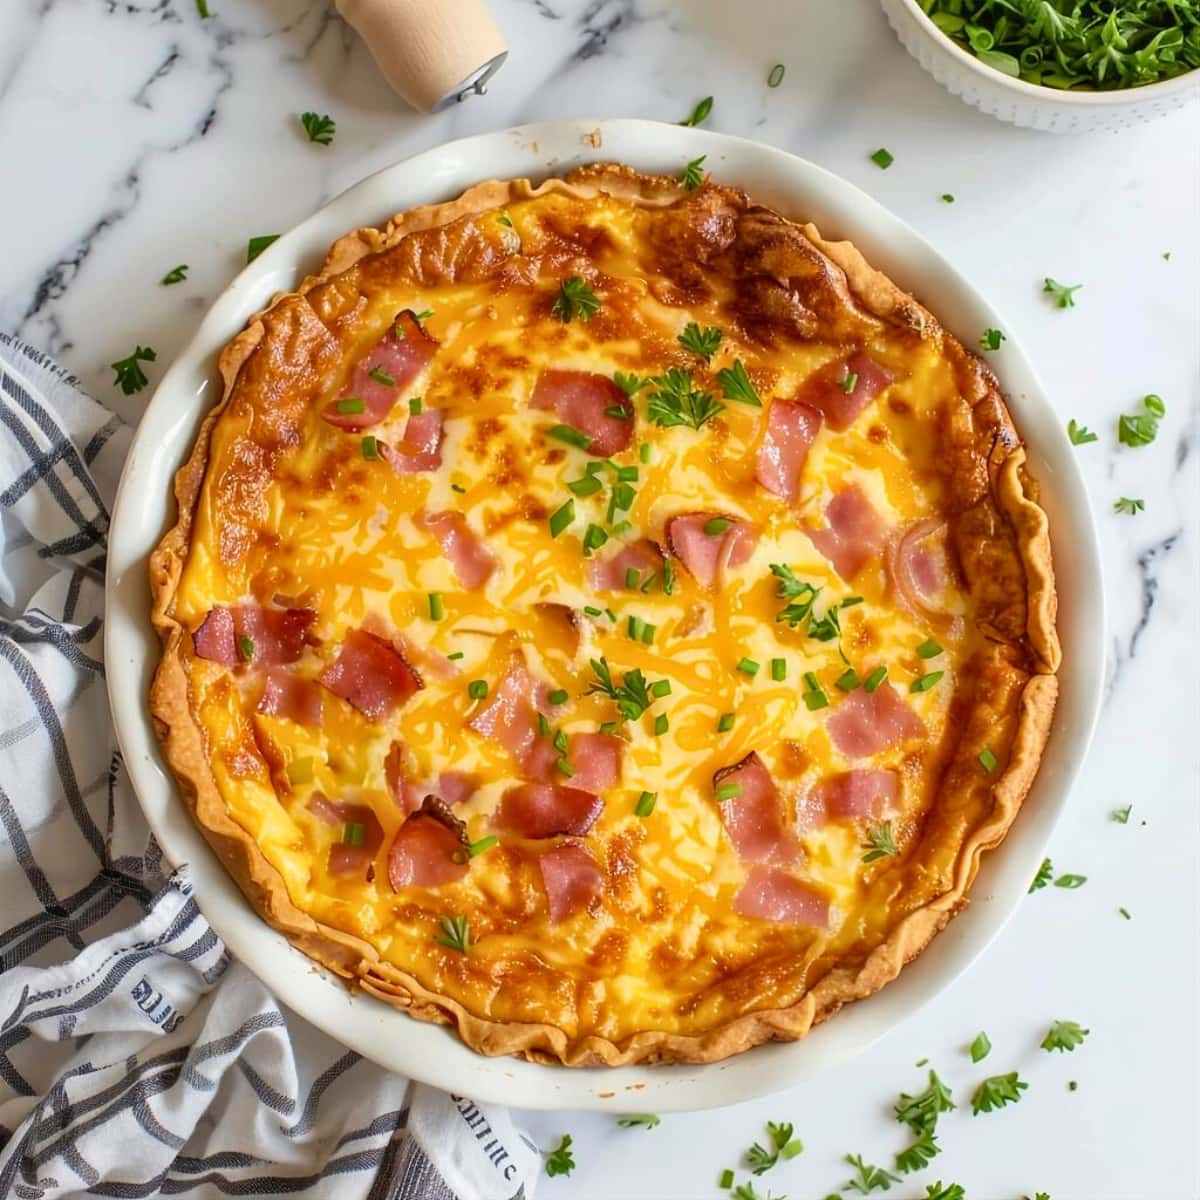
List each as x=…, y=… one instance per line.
x=1112, y=98
x=431, y=1053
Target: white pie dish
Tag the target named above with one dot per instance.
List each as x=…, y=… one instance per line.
x=1030, y=105
x=431, y=1053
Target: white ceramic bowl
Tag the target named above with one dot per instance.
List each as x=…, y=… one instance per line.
x=1027, y=104
x=428, y=1052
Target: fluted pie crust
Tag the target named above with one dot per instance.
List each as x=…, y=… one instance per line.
x=789, y=284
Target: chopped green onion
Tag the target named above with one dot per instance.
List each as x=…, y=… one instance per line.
x=928, y=649
x=644, y=452
x=558, y=697
x=726, y=1180
x=645, y=804
x=572, y=437
x=635, y=627
x=561, y=518
x=378, y=374
x=716, y=526
x=725, y=723
x=632, y=576
x=814, y=697
x=593, y=538
x=565, y=767
x=370, y=447
x=589, y=485
x=560, y=742
x=728, y=791
x=661, y=724
x=477, y=689
x=437, y=606
x=883, y=158
x=351, y=405
x=848, y=680
x=778, y=669
x=354, y=834
x=748, y=667
x=593, y=611
x=875, y=678
x=849, y=382
x=484, y=843
x=925, y=682
x=543, y=725
x=610, y=727
x=987, y=760
x=458, y=487
x=415, y=404
x=660, y=688
x=246, y=647
x=456, y=656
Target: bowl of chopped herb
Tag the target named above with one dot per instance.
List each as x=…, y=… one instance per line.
x=1063, y=66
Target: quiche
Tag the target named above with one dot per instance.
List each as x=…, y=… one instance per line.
x=605, y=616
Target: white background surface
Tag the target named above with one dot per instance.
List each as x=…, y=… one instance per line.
x=138, y=137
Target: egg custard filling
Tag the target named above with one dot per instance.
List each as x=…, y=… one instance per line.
x=607, y=617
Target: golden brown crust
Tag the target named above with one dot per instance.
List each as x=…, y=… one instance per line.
x=1001, y=534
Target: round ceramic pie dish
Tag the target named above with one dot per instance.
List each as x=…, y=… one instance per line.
x=798, y=191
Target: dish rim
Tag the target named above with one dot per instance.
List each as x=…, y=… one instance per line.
x=432, y=1054
x=1113, y=98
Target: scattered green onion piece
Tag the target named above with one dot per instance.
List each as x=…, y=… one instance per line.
x=589, y=485
x=645, y=804
x=661, y=724
x=849, y=382
x=378, y=374
x=565, y=767
x=644, y=452
x=484, y=843
x=748, y=667
x=875, y=678
x=351, y=405
x=725, y=723
x=926, y=681
x=928, y=649
x=561, y=518
x=883, y=158
x=437, y=606
x=726, y=1180
x=572, y=437
x=456, y=656
x=415, y=404
x=717, y=526
x=246, y=647
x=987, y=760
x=370, y=448
x=593, y=538
x=558, y=697
x=632, y=576
x=848, y=680
x=477, y=689
x=354, y=834
x=778, y=669
x=729, y=791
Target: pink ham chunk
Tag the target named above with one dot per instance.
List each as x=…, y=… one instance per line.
x=272, y=635
x=571, y=878
x=398, y=358
x=408, y=794
x=642, y=556
x=859, y=795
x=754, y=818
x=473, y=562
x=510, y=715
x=868, y=723
x=370, y=675
x=344, y=858
x=826, y=389
x=777, y=896
x=595, y=759
x=421, y=447
x=543, y=810
x=791, y=428
x=288, y=696
x=854, y=533
x=424, y=853
x=586, y=403
x=707, y=555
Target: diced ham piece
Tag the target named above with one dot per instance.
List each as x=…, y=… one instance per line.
x=278, y=635
x=854, y=533
x=473, y=562
x=867, y=723
x=791, y=428
x=774, y=895
x=608, y=574
x=456, y=786
x=865, y=794
x=826, y=389
x=571, y=878
x=596, y=758
x=423, y=854
x=510, y=715
x=707, y=555
x=286, y=695
x=754, y=818
x=370, y=675
x=583, y=400
x=918, y=564
x=542, y=810
x=345, y=859
x=421, y=448
x=400, y=358
x=407, y=792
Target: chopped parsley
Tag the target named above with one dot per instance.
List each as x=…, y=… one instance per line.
x=1140, y=429
x=632, y=696
x=879, y=843
x=1129, y=507
x=1121, y=815
x=997, y=1092
x=456, y=933
x=575, y=299
x=947, y=198
x=1080, y=435
x=1064, y=296
x=869, y=1178
x=883, y=158
x=629, y=383
x=560, y=1160
x=675, y=402
x=130, y=377
x=1044, y=874
x=640, y=1121
x=692, y=176
x=980, y=1048
x=920, y=1112
x=952, y=1191
x=1070, y=881
x=760, y=1158
x=175, y=275
x=1064, y=1035
x=256, y=245
x=991, y=339
x=736, y=385
x=700, y=113
x=702, y=343
x=320, y=129
x=919, y=1155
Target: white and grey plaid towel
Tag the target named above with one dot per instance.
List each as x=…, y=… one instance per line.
x=137, y=1059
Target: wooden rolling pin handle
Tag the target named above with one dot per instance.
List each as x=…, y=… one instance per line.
x=432, y=52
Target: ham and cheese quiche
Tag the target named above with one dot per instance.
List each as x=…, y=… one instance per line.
x=605, y=616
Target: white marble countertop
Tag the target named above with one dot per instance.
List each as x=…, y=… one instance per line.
x=135, y=136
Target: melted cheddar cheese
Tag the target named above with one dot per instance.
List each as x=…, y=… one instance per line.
x=291, y=507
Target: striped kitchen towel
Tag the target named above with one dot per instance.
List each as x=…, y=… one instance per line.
x=136, y=1058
